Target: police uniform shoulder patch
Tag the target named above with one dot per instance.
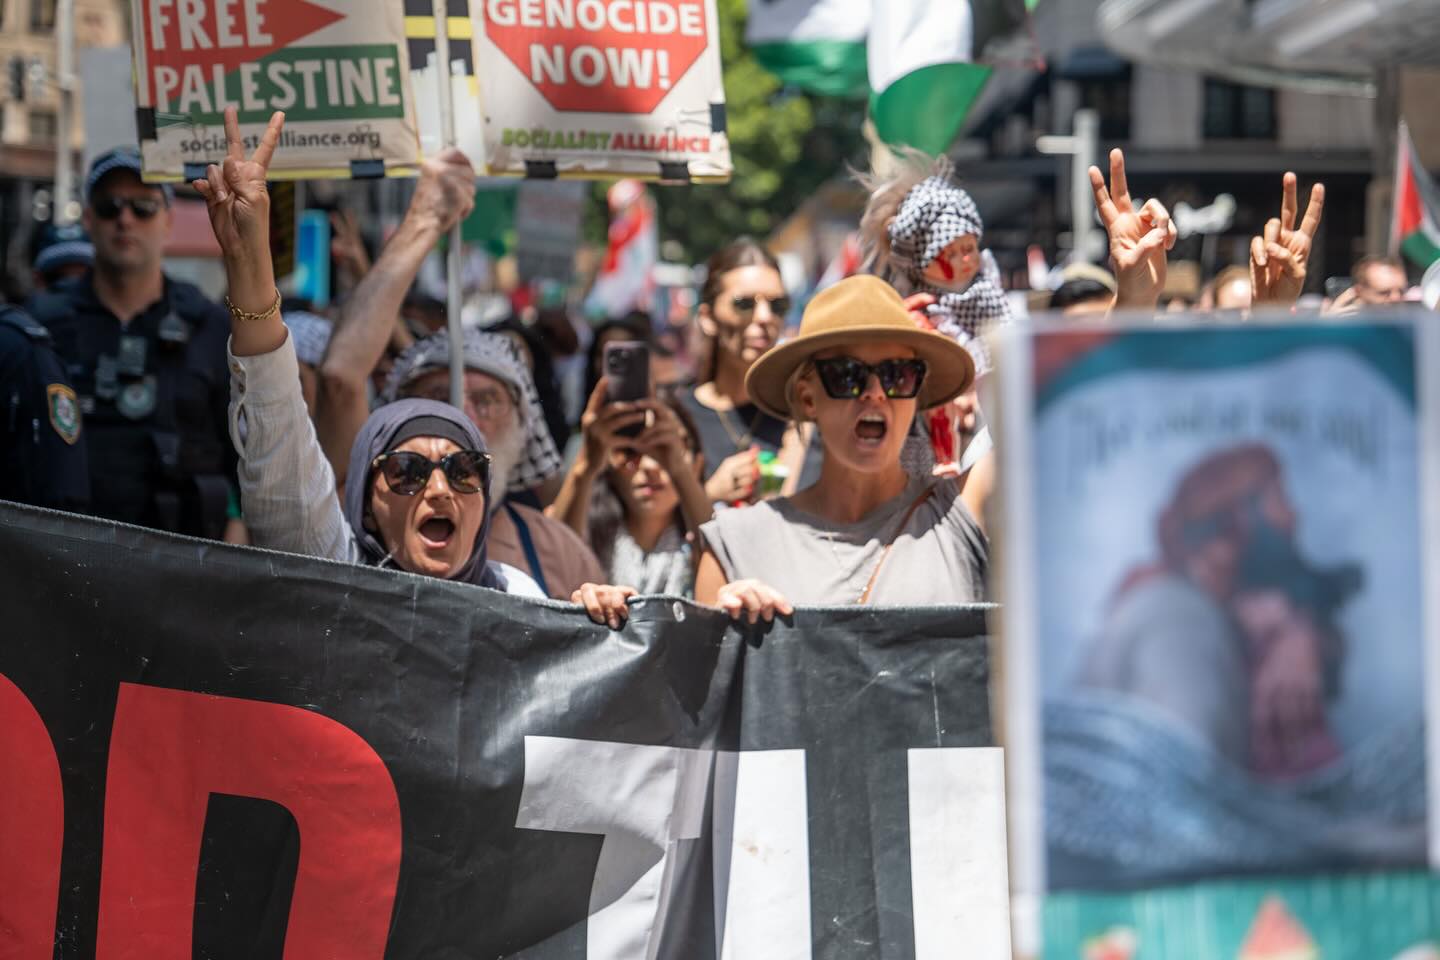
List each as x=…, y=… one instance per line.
x=64, y=411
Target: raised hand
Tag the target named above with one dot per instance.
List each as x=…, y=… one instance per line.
x=235, y=192
x=1138, y=239
x=445, y=192
x=1279, y=259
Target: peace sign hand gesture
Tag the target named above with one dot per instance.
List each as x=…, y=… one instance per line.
x=235, y=192
x=1279, y=258
x=239, y=208
x=1138, y=239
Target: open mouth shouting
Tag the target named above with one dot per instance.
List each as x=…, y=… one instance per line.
x=437, y=532
x=871, y=428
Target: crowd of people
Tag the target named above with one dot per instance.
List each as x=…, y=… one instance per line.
x=846, y=464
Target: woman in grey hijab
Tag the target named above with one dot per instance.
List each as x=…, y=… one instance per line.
x=416, y=490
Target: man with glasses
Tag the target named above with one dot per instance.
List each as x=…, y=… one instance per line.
x=146, y=355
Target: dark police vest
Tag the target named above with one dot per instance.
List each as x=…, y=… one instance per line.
x=154, y=394
x=42, y=452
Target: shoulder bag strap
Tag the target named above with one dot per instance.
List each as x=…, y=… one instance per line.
x=885, y=554
x=527, y=543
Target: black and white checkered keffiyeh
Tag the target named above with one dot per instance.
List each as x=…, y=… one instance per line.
x=934, y=214
x=311, y=334
x=496, y=355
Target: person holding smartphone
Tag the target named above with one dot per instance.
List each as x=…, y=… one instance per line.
x=742, y=312
x=634, y=492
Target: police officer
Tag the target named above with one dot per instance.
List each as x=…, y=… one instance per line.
x=147, y=358
x=40, y=443
x=63, y=252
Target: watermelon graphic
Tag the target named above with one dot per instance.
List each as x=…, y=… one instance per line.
x=1117, y=943
x=1275, y=934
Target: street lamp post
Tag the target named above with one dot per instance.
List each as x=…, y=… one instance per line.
x=65, y=90
x=1083, y=146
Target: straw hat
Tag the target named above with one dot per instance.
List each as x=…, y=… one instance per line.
x=860, y=309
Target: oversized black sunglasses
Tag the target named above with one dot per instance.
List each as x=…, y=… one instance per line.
x=845, y=378
x=780, y=306
x=108, y=207
x=407, y=473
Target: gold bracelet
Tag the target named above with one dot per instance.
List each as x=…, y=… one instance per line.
x=245, y=316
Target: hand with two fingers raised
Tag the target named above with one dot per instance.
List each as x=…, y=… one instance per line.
x=1279, y=259
x=1139, y=239
x=239, y=207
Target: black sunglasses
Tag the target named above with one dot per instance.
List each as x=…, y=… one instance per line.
x=845, y=378
x=407, y=473
x=108, y=207
x=780, y=306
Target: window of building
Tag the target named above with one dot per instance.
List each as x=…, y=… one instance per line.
x=42, y=16
x=43, y=126
x=1236, y=112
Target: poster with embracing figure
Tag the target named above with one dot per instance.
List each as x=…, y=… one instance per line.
x=1217, y=602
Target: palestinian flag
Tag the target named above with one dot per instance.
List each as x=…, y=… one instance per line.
x=922, y=78
x=816, y=45
x=916, y=59
x=1415, y=229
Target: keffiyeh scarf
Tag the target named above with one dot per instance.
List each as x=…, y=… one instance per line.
x=934, y=215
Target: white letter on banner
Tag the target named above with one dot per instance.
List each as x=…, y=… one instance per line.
x=958, y=874
x=158, y=20
x=642, y=800
x=762, y=855
x=500, y=12
x=255, y=34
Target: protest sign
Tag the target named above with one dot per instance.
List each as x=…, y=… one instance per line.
x=1219, y=628
x=608, y=87
x=547, y=229
x=339, y=71
x=220, y=751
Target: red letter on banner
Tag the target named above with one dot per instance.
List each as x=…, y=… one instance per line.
x=169, y=750
x=32, y=828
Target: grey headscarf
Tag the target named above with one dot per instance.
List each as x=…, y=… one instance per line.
x=376, y=437
x=496, y=355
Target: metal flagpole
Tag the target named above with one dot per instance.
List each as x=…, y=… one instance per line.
x=452, y=265
x=65, y=84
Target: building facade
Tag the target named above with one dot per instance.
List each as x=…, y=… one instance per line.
x=29, y=126
x=1190, y=135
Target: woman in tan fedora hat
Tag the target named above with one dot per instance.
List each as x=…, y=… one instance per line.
x=865, y=532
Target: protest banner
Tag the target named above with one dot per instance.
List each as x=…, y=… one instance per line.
x=602, y=87
x=1217, y=611
x=339, y=71
x=548, y=217
x=220, y=751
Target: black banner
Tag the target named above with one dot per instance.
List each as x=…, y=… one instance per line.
x=222, y=752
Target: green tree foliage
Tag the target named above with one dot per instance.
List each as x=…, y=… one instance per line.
x=784, y=144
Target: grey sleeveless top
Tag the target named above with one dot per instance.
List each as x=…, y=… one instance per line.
x=938, y=558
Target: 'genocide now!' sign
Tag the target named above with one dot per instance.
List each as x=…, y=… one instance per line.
x=606, y=86
x=339, y=72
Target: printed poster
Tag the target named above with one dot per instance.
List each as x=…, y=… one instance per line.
x=602, y=87
x=1219, y=592
x=338, y=68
